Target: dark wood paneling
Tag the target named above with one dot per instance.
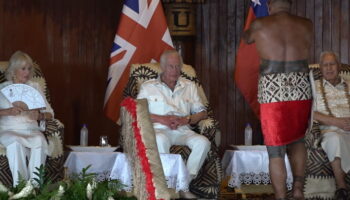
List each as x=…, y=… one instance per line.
x=71, y=41
x=331, y=25
x=310, y=14
x=222, y=79
x=344, y=31
x=335, y=26
x=318, y=27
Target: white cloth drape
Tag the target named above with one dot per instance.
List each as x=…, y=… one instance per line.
x=250, y=167
x=115, y=165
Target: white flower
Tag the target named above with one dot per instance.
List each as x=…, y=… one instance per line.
x=60, y=190
x=24, y=192
x=59, y=193
x=89, y=191
x=256, y=2
x=94, y=184
x=55, y=145
x=110, y=198
x=90, y=188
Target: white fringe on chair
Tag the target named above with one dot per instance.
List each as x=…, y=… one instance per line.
x=131, y=150
x=322, y=188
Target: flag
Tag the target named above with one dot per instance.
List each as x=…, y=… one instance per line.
x=141, y=37
x=248, y=60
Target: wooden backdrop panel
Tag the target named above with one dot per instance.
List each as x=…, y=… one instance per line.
x=71, y=41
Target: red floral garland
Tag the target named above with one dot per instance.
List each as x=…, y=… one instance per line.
x=130, y=105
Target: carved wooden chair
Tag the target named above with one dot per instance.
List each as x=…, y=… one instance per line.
x=319, y=179
x=206, y=184
x=54, y=135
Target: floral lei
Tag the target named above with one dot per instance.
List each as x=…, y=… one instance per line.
x=325, y=101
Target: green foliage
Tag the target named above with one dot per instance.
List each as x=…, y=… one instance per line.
x=106, y=189
x=21, y=184
x=41, y=180
x=75, y=188
x=4, y=196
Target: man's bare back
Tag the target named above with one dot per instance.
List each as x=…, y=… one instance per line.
x=281, y=37
x=283, y=42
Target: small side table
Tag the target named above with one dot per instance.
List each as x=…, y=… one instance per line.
x=250, y=165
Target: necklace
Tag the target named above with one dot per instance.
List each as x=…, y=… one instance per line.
x=325, y=101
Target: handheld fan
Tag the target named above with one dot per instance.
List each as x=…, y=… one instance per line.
x=24, y=93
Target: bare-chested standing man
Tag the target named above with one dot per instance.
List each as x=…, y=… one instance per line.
x=283, y=42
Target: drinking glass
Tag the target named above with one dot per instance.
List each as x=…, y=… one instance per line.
x=103, y=141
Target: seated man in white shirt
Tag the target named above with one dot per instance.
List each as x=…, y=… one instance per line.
x=174, y=104
x=332, y=110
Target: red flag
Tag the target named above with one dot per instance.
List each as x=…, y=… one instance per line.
x=248, y=60
x=141, y=37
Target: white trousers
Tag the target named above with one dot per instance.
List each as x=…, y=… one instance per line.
x=337, y=144
x=198, y=144
x=17, y=155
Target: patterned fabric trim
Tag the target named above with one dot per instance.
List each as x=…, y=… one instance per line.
x=141, y=150
x=325, y=187
x=319, y=178
x=284, y=87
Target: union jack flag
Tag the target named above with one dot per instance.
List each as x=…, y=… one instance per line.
x=141, y=37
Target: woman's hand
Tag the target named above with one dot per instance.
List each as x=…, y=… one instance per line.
x=20, y=104
x=33, y=114
x=14, y=111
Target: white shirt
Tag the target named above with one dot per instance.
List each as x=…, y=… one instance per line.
x=337, y=101
x=184, y=100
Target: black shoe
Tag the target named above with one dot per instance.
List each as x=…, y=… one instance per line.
x=341, y=194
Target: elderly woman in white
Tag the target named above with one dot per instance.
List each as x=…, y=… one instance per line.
x=19, y=129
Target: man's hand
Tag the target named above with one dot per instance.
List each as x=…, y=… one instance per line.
x=248, y=34
x=177, y=121
x=181, y=121
x=171, y=121
x=342, y=122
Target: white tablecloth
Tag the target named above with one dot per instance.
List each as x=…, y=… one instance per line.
x=250, y=167
x=114, y=165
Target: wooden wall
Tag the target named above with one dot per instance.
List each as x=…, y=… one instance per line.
x=71, y=41
x=219, y=28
